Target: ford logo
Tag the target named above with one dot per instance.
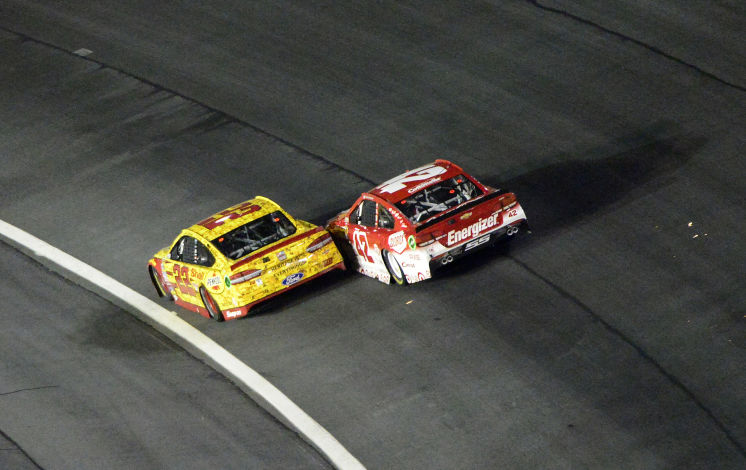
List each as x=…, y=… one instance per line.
x=292, y=279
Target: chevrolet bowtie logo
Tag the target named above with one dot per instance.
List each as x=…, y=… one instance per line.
x=465, y=216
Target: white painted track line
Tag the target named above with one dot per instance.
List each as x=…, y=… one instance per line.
x=188, y=337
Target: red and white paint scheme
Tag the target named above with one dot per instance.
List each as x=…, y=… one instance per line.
x=407, y=226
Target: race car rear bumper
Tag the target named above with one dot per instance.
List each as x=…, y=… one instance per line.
x=477, y=243
x=242, y=311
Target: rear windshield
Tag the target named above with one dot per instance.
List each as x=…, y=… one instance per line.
x=438, y=197
x=254, y=235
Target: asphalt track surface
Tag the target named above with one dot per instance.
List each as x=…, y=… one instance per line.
x=612, y=336
x=96, y=388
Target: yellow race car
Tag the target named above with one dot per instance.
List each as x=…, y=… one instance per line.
x=224, y=265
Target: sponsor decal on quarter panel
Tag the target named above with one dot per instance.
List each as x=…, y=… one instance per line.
x=213, y=281
x=397, y=242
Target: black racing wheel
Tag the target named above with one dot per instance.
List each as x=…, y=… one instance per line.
x=158, y=284
x=211, y=305
x=393, y=267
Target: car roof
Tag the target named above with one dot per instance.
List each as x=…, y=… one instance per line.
x=411, y=181
x=234, y=216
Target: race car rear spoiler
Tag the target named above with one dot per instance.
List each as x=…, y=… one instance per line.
x=444, y=215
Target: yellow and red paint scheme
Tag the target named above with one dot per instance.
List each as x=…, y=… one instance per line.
x=217, y=286
x=407, y=249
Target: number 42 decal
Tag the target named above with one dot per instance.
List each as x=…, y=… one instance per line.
x=361, y=245
x=421, y=174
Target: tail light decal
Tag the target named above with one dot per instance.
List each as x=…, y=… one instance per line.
x=320, y=242
x=244, y=276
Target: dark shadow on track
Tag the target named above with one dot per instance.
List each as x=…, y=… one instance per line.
x=556, y=196
x=560, y=195
x=564, y=194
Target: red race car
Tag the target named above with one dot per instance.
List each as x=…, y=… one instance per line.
x=425, y=218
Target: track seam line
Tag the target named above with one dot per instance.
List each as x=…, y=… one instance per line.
x=20, y=449
x=362, y=178
x=24, y=37
x=259, y=389
x=28, y=390
x=647, y=357
x=638, y=42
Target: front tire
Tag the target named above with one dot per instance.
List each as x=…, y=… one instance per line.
x=393, y=267
x=212, y=307
x=158, y=284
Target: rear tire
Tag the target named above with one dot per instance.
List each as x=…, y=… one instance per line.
x=393, y=267
x=158, y=284
x=212, y=307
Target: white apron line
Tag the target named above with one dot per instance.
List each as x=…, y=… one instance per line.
x=188, y=337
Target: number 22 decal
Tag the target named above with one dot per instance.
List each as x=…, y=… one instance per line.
x=220, y=218
x=181, y=274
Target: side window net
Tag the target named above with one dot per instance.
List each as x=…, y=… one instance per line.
x=384, y=218
x=190, y=250
x=364, y=214
x=177, y=252
x=204, y=257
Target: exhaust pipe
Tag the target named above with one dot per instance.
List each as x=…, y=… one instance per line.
x=446, y=259
x=512, y=230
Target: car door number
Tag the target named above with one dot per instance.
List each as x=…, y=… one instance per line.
x=181, y=275
x=362, y=247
